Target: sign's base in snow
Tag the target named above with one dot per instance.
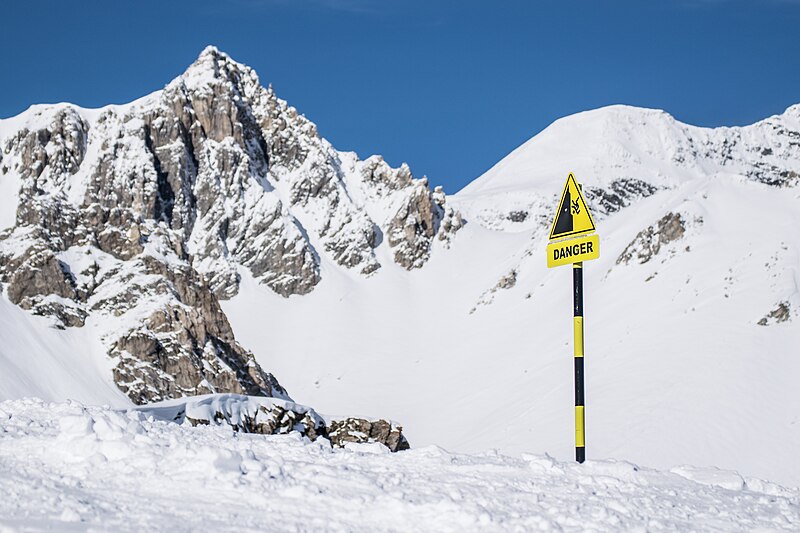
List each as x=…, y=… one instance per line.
x=66, y=466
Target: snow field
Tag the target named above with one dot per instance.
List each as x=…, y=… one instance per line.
x=677, y=369
x=37, y=360
x=69, y=467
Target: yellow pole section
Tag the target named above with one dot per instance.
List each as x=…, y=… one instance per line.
x=580, y=441
x=577, y=327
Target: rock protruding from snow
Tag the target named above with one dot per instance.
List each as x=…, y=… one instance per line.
x=273, y=416
x=104, y=255
x=248, y=414
x=650, y=240
x=781, y=313
x=361, y=430
x=619, y=194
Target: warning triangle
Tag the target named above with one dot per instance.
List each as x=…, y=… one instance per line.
x=572, y=217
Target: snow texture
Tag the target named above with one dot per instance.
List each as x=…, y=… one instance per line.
x=70, y=467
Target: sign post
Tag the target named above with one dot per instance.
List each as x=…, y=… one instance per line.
x=572, y=241
x=577, y=327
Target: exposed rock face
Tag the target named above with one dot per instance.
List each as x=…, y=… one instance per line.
x=517, y=216
x=421, y=217
x=781, y=313
x=650, y=240
x=620, y=194
x=70, y=260
x=143, y=216
x=507, y=281
x=160, y=321
x=187, y=345
x=390, y=435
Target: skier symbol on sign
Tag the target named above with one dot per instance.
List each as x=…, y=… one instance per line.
x=573, y=217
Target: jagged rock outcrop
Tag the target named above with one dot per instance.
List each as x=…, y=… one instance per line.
x=619, y=194
x=160, y=321
x=650, y=240
x=781, y=313
x=422, y=216
x=141, y=217
x=72, y=256
x=361, y=430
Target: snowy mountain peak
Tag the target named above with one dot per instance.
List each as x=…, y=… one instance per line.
x=792, y=110
x=213, y=51
x=141, y=217
x=214, y=66
x=790, y=117
x=616, y=115
x=624, y=153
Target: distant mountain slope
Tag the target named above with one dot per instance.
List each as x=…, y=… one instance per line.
x=623, y=153
x=205, y=237
x=691, y=311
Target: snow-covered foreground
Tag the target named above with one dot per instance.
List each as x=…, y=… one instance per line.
x=70, y=467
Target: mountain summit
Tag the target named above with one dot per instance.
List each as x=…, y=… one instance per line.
x=140, y=217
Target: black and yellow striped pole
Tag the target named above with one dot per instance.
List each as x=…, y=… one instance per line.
x=577, y=325
x=573, y=241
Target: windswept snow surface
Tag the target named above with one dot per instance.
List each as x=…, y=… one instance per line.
x=74, y=468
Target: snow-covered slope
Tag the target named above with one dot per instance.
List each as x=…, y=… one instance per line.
x=39, y=361
x=691, y=311
x=205, y=237
x=622, y=153
x=65, y=467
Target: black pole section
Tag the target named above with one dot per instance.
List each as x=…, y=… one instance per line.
x=580, y=432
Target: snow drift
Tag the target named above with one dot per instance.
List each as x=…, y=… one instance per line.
x=70, y=467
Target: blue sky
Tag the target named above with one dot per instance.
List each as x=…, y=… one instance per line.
x=448, y=86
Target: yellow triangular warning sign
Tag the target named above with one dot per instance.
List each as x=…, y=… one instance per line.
x=572, y=217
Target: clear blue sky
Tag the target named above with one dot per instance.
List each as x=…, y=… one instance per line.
x=449, y=86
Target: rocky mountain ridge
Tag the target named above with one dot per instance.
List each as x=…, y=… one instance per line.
x=624, y=154
x=140, y=217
